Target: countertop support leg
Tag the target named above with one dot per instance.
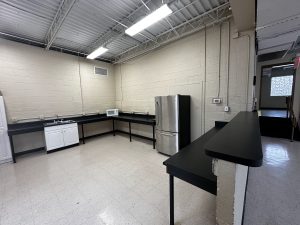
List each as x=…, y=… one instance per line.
x=82, y=132
x=171, y=200
x=130, y=131
x=12, y=148
x=113, y=123
x=153, y=136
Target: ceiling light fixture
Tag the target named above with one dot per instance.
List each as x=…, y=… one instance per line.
x=282, y=66
x=99, y=51
x=152, y=18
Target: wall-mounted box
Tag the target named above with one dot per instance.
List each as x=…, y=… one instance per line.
x=216, y=101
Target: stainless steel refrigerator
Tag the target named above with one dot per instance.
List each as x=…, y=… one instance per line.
x=173, y=130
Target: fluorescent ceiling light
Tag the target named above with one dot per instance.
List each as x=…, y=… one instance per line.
x=286, y=65
x=97, y=52
x=152, y=18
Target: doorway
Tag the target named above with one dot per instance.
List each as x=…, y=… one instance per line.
x=276, y=90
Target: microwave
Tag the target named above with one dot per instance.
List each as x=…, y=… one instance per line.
x=112, y=112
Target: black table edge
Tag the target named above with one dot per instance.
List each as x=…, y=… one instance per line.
x=237, y=160
x=200, y=182
x=244, y=127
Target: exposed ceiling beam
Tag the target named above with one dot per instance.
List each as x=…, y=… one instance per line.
x=104, y=40
x=61, y=14
x=148, y=48
x=182, y=29
x=112, y=34
x=31, y=42
x=278, y=22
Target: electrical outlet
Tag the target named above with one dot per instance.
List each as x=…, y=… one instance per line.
x=226, y=108
x=216, y=100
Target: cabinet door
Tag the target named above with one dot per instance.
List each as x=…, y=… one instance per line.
x=3, y=122
x=54, y=139
x=5, y=153
x=71, y=136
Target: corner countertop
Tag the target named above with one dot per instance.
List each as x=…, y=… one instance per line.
x=27, y=127
x=238, y=142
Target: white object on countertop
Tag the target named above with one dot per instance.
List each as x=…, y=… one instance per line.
x=112, y=112
x=5, y=151
x=61, y=136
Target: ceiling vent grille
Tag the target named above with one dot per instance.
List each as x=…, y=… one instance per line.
x=101, y=71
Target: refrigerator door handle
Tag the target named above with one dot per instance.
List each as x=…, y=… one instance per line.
x=157, y=107
x=167, y=134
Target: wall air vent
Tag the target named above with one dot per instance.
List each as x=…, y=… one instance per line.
x=100, y=71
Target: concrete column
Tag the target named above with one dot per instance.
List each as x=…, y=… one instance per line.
x=231, y=187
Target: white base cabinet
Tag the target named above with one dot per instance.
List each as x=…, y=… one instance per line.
x=5, y=151
x=61, y=136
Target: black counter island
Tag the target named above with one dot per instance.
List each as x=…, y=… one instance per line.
x=225, y=151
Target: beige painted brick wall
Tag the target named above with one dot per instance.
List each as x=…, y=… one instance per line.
x=179, y=68
x=36, y=82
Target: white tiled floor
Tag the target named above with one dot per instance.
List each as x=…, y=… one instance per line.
x=273, y=192
x=106, y=181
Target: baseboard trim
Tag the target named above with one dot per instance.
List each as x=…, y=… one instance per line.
x=30, y=151
x=88, y=137
x=63, y=148
x=6, y=161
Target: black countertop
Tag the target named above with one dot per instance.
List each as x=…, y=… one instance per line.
x=193, y=165
x=239, y=141
x=28, y=127
x=148, y=119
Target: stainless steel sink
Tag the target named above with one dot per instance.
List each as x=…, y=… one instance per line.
x=59, y=122
x=66, y=121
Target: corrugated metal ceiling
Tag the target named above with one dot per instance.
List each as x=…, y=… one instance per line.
x=27, y=18
x=89, y=21
x=278, y=25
